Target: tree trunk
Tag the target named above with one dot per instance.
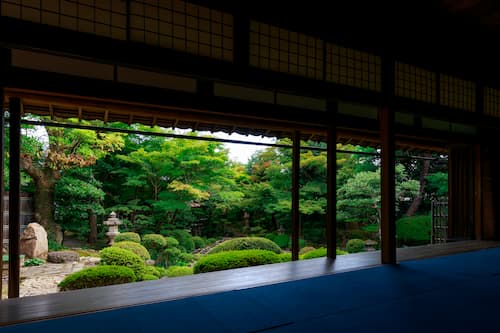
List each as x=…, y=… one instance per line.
x=44, y=204
x=415, y=205
x=93, y=228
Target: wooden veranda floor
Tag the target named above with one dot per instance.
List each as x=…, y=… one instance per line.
x=97, y=299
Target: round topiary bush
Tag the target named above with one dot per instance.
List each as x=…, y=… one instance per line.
x=199, y=242
x=149, y=277
x=120, y=257
x=184, y=238
x=128, y=236
x=235, y=259
x=246, y=243
x=155, y=244
x=355, y=245
x=171, y=242
x=136, y=248
x=97, y=276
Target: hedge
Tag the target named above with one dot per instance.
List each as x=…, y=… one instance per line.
x=355, y=245
x=103, y=275
x=121, y=257
x=128, y=236
x=235, y=259
x=134, y=247
x=246, y=243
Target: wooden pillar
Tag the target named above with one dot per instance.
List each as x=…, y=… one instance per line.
x=14, y=195
x=388, y=186
x=331, y=199
x=295, y=195
x=478, y=191
x=2, y=180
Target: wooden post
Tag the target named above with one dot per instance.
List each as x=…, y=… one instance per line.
x=14, y=195
x=388, y=186
x=331, y=199
x=478, y=191
x=295, y=195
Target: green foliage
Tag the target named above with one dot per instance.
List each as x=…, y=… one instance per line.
x=175, y=257
x=183, y=237
x=54, y=246
x=33, y=262
x=302, y=243
x=246, y=243
x=281, y=240
x=355, y=245
x=235, y=259
x=174, y=271
x=121, y=257
x=97, y=276
x=306, y=249
x=149, y=277
x=171, y=242
x=199, y=242
x=77, y=193
x=285, y=256
x=134, y=247
x=437, y=184
x=128, y=236
x=155, y=244
x=320, y=252
x=415, y=230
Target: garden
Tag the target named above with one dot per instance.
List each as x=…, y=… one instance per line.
x=187, y=208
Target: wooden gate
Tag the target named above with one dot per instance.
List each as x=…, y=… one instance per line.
x=439, y=213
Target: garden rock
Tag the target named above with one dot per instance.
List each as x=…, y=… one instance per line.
x=34, y=241
x=58, y=257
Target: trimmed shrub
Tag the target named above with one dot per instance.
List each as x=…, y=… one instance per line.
x=155, y=244
x=175, y=257
x=414, y=230
x=134, y=247
x=128, y=236
x=199, y=242
x=153, y=270
x=285, y=256
x=235, y=259
x=355, y=245
x=174, y=271
x=171, y=242
x=121, y=257
x=320, y=252
x=306, y=249
x=246, y=243
x=149, y=277
x=184, y=238
x=97, y=276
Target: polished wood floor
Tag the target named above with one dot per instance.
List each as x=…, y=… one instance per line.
x=104, y=298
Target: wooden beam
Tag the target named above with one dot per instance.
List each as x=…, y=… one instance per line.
x=295, y=195
x=331, y=199
x=388, y=186
x=14, y=195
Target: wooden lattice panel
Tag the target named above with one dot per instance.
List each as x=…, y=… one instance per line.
x=415, y=83
x=100, y=17
x=285, y=51
x=492, y=102
x=354, y=68
x=182, y=26
x=457, y=93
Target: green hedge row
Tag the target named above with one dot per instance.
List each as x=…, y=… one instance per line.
x=235, y=259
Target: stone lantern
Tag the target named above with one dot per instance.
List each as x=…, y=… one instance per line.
x=112, y=222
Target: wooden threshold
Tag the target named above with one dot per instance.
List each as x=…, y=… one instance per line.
x=18, y=310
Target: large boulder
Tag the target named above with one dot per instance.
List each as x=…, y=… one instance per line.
x=34, y=242
x=59, y=257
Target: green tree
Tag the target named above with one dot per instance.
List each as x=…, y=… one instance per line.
x=46, y=162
